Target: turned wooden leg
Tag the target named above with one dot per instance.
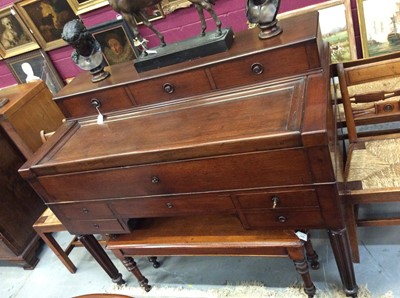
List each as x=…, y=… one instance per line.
x=312, y=256
x=351, y=226
x=130, y=264
x=342, y=252
x=302, y=269
x=98, y=253
x=156, y=264
x=298, y=256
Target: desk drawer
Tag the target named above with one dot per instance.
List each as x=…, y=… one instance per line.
x=101, y=226
x=171, y=87
x=274, y=64
x=168, y=206
x=232, y=172
x=289, y=218
x=82, y=211
x=114, y=99
x=281, y=199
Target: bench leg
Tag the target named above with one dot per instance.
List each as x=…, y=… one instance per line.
x=312, y=256
x=297, y=254
x=130, y=264
x=153, y=260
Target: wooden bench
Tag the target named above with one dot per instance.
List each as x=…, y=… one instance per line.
x=210, y=236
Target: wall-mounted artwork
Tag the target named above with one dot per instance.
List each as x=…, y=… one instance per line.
x=15, y=37
x=169, y=6
x=153, y=13
x=116, y=41
x=35, y=65
x=46, y=18
x=83, y=6
x=336, y=27
x=379, y=26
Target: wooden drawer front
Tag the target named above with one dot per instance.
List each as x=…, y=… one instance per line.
x=275, y=64
x=294, y=218
x=241, y=171
x=100, y=226
x=82, y=211
x=171, y=87
x=177, y=205
x=81, y=105
x=278, y=199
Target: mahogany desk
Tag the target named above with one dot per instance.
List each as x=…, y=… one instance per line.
x=248, y=132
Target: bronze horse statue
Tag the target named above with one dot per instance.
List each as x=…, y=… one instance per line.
x=131, y=8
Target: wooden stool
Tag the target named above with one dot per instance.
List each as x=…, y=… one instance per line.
x=210, y=236
x=47, y=224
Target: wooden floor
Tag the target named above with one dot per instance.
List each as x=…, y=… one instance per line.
x=379, y=270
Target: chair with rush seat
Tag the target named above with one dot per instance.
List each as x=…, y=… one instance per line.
x=210, y=236
x=370, y=91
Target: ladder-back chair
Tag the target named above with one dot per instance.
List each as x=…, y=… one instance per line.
x=370, y=92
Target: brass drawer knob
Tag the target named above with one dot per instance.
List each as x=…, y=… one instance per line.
x=155, y=180
x=275, y=201
x=169, y=88
x=257, y=68
x=169, y=205
x=282, y=219
x=95, y=103
x=85, y=210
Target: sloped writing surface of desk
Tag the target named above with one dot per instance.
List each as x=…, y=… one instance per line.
x=228, y=151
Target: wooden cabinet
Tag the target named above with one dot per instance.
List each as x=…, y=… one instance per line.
x=244, y=127
x=30, y=109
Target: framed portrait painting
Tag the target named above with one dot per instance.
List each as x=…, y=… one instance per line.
x=15, y=37
x=379, y=26
x=35, y=65
x=46, y=18
x=82, y=6
x=116, y=41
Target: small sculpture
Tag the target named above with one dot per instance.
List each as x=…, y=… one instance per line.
x=87, y=52
x=131, y=8
x=263, y=13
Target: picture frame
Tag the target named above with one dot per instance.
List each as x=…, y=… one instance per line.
x=83, y=6
x=15, y=37
x=336, y=27
x=153, y=13
x=116, y=41
x=169, y=6
x=379, y=21
x=46, y=18
x=37, y=65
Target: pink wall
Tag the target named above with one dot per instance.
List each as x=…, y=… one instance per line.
x=179, y=25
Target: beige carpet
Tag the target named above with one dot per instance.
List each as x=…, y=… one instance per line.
x=245, y=290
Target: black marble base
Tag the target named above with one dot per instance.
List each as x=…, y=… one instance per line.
x=188, y=49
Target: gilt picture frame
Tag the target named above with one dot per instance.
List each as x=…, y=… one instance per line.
x=46, y=18
x=169, y=6
x=39, y=65
x=15, y=37
x=153, y=13
x=379, y=26
x=83, y=6
x=116, y=41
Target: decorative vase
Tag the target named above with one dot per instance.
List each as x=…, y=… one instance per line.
x=263, y=13
x=87, y=53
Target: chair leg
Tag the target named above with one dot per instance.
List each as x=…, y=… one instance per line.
x=351, y=225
